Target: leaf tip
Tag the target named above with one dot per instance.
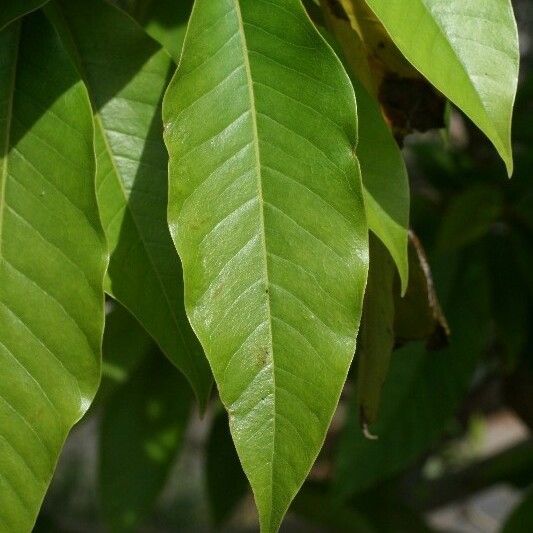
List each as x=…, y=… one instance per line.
x=509, y=166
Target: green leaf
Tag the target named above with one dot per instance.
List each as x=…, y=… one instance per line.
x=385, y=181
x=126, y=73
x=164, y=20
x=52, y=263
x=226, y=482
x=266, y=211
x=14, y=9
x=376, y=338
x=142, y=429
x=421, y=393
x=468, y=50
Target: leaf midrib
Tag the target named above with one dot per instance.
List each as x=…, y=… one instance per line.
x=9, y=117
x=252, y=97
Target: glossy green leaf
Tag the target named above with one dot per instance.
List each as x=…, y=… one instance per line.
x=226, y=482
x=468, y=49
x=164, y=20
x=376, y=337
x=266, y=211
x=52, y=263
x=11, y=10
x=385, y=181
x=126, y=73
x=421, y=393
x=143, y=425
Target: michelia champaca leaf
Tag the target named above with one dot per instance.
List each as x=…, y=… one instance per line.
x=468, y=49
x=52, y=263
x=11, y=10
x=126, y=73
x=385, y=181
x=266, y=211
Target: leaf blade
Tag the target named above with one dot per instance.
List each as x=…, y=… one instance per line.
x=51, y=247
x=386, y=185
x=478, y=42
x=383, y=171
x=233, y=214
